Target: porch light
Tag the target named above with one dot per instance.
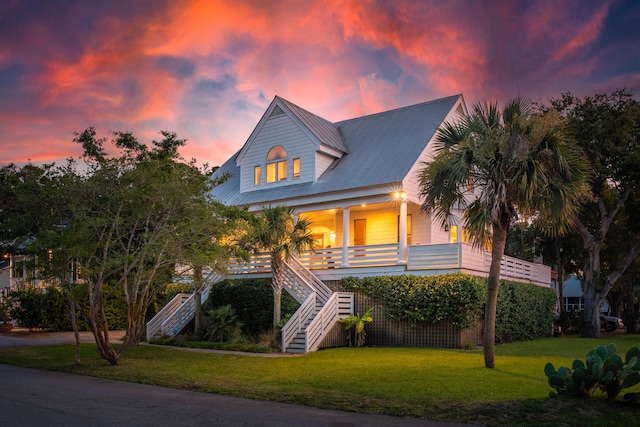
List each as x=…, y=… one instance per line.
x=400, y=195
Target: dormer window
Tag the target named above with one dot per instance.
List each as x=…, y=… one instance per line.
x=277, y=164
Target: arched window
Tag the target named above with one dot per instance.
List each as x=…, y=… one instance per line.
x=277, y=164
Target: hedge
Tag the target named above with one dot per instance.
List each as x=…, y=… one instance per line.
x=253, y=301
x=524, y=312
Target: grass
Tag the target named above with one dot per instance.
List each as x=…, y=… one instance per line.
x=438, y=384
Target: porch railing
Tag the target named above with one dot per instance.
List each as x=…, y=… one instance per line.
x=441, y=256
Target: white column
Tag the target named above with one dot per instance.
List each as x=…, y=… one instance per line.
x=402, y=231
x=345, y=237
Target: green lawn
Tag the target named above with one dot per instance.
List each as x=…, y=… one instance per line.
x=430, y=383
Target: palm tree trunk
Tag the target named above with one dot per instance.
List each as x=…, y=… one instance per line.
x=277, y=272
x=493, y=283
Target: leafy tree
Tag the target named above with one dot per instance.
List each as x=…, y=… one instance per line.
x=276, y=230
x=135, y=216
x=517, y=164
x=607, y=127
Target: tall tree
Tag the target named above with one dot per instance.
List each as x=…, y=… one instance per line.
x=136, y=215
x=607, y=127
x=276, y=230
x=499, y=165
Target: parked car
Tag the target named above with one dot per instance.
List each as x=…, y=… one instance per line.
x=611, y=323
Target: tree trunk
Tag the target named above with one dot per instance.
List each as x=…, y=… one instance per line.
x=560, y=272
x=493, y=283
x=198, y=288
x=592, y=297
x=277, y=273
x=98, y=325
x=74, y=323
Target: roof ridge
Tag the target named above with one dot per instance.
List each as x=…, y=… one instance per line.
x=433, y=101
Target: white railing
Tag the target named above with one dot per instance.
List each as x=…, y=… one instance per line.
x=373, y=255
x=321, y=258
x=318, y=313
x=339, y=306
x=310, y=279
x=260, y=263
x=180, y=311
x=464, y=256
x=299, y=321
x=154, y=326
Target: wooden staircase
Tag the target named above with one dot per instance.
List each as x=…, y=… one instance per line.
x=319, y=311
x=177, y=314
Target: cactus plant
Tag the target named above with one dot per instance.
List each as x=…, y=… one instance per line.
x=604, y=370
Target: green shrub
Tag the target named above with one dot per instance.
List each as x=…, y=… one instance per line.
x=253, y=301
x=223, y=325
x=603, y=371
x=37, y=308
x=525, y=312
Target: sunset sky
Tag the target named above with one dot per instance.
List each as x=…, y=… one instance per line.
x=208, y=69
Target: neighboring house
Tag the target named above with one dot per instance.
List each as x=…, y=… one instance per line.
x=357, y=181
x=17, y=270
x=572, y=295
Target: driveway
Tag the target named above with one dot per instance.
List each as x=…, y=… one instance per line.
x=43, y=398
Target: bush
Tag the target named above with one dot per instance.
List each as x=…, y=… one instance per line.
x=604, y=371
x=525, y=312
x=456, y=296
x=37, y=308
x=224, y=324
x=253, y=301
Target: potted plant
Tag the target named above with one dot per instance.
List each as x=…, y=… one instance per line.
x=5, y=316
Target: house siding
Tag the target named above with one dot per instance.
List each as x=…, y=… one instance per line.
x=280, y=130
x=322, y=163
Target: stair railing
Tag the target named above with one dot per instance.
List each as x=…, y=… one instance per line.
x=339, y=306
x=299, y=321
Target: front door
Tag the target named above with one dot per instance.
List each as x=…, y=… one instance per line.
x=360, y=232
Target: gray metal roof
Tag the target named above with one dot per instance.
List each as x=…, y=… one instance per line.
x=383, y=147
x=326, y=131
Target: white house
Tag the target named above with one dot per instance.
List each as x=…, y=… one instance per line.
x=357, y=181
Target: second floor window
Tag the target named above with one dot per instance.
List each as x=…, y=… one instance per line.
x=277, y=164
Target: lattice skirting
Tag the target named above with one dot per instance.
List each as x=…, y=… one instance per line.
x=387, y=332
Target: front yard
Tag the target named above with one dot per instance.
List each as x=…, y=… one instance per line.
x=418, y=382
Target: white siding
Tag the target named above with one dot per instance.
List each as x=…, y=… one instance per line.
x=322, y=163
x=420, y=225
x=279, y=130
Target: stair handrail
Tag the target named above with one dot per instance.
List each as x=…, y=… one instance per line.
x=179, y=312
x=299, y=321
x=310, y=279
x=339, y=306
x=155, y=324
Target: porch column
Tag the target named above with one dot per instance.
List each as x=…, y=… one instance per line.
x=402, y=231
x=345, y=237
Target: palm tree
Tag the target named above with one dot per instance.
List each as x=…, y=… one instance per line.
x=276, y=230
x=498, y=166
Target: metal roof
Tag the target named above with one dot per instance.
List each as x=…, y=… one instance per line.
x=383, y=147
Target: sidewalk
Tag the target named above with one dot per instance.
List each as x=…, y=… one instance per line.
x=21, y=337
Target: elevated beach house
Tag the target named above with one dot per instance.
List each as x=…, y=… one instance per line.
x=357, y=180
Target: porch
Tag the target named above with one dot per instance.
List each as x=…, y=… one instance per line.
x=367, y=260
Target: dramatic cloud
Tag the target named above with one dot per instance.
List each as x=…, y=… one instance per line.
x=207, y=69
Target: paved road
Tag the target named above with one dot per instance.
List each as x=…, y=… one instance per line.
x=41, y=398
